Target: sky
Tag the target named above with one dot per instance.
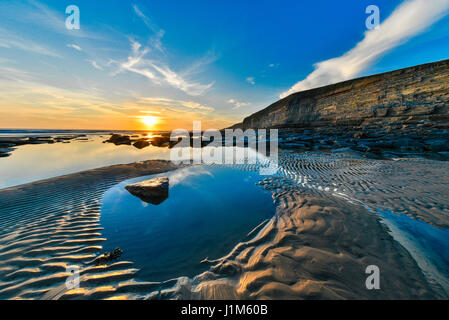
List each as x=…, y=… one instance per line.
x=162, y=64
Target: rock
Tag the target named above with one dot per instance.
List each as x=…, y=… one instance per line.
x=118, y=139
x=408, y=145
x=6, y=145
x=382, y=112
x=360, y=135
x=444, y=154
x=107, y=257
x=141, y=143
x=40, y=140
x=437, y=145
x=6, y=152
x=153, y=191
x=160, y=141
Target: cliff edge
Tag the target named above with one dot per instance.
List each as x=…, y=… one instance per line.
x=410, y=96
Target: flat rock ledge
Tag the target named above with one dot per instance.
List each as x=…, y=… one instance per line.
x=153, y=191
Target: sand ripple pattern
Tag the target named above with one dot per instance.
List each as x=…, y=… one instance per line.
x=416, y=187
x=52, y=224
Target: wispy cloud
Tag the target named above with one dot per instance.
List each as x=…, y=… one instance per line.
x=237, y=104
x=74, y=46
x=157, y=69
x=173, y=103
x=95, y=64
x=53, y=99
x=251, y=80
x=409, y=19
x=10, y=40
x=35, y=13
x=179, y=113
x=150, y=24
x=158, y=33
x=159, y=72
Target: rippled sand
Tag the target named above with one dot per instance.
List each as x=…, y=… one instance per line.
x=51, y=224
x=318, y=249
x=317, y=246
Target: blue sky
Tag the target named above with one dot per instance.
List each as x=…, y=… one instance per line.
x=178, y=61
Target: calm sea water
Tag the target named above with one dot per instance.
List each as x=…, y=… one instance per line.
x=208, y=211
x=30, y=163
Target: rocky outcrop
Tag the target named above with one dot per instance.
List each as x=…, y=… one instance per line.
x=119, y=139
x=141, y=143
x=8, y=144
x=107, y=257
x=162, y=140
x=417, y=95
x=153, y=191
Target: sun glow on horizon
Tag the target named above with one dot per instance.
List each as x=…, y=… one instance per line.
x=149, y=121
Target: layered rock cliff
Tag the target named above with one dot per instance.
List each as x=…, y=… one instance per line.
x=409, y=96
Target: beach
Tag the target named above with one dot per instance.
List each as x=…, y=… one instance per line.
x=317, y=244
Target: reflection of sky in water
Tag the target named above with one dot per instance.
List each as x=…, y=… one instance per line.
x=208, y=211
x=36, y=162
x=427, y=244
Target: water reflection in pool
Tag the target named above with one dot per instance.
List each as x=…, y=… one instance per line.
x=208, y=211
x=35, y=162
x=428, y=245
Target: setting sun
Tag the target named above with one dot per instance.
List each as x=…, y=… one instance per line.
x=149, y=121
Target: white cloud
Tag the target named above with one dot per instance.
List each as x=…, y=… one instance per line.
x=74, y=46
x=150, y=24
x=159, y=72
x=156, y=40
x=9, y=40
x=173, y=103
x=35, y=13
x=237, y=104
x=53, y=99
x=409, y=19
x=251, y=80
x=94, y=64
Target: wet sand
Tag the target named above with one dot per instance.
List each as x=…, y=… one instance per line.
x=51, y=224
x=315, y=247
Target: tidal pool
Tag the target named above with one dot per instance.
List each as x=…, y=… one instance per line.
x=428, y=245
x=209, y=210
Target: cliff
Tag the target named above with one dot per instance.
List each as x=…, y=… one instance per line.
x=407, y=96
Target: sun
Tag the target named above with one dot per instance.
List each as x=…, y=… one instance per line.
x=149, y=121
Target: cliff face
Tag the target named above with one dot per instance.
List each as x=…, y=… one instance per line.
x=408, y=96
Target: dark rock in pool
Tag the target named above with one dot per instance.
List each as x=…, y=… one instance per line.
x=153, y=191
x=107, y=257
x=160, y=141
x=118, y=139
x=141, y=143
